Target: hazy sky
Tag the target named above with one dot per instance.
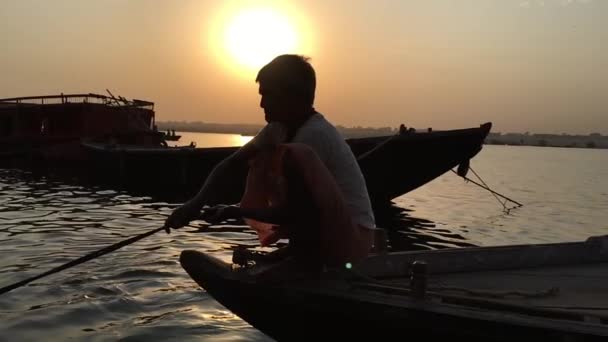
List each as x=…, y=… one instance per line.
x=538, y=66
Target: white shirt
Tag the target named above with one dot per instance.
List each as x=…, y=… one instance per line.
x=337, y=156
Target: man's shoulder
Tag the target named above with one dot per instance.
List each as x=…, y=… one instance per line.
x=317, y=127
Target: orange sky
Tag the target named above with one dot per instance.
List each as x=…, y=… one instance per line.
x=538, y=66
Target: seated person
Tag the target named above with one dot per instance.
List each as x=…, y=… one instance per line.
x=287, y=88
x=291, y=194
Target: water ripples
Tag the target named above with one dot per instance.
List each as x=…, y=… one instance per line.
x=140, y=292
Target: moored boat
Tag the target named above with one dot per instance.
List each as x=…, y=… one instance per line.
x=48, y=129
x=392, y=165
x=556, y=292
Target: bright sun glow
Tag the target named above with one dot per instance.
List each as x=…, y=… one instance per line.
x=253, y=37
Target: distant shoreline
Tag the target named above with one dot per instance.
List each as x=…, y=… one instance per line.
x=548, y=145
x=594, y=140
x=253, y=129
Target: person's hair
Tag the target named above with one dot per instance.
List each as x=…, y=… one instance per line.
x=292, y=74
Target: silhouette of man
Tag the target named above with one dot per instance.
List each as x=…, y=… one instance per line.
x=287, y=88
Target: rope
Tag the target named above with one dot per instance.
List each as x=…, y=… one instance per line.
x=494, y=193
x=554, y=291
x=504, y=204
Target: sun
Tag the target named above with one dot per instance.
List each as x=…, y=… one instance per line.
x=255, y=36
x=244, y=36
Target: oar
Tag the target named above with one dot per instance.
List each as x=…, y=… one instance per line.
x=85, y=258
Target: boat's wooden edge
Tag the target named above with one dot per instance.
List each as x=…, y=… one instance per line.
x=451, y=260
x=199, y=264
x=483, y=130
x=212, y=273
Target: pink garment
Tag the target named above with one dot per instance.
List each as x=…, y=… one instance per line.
x=265, y=187
x=325, y=227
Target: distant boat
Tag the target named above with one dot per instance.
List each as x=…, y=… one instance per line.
x=548, y=292
x=392, y=165
x=171, y=137
x=50, y=128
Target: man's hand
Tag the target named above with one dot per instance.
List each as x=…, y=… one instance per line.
x=182, y=216
x=221, y=213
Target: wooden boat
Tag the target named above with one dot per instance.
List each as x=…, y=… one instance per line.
x=49, y=128
x=392, y=165
x=554, y=292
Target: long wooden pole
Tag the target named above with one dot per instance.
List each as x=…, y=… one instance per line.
x=81, y=260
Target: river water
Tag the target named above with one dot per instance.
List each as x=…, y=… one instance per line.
x=140, y=292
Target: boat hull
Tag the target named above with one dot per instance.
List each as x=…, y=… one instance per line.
x=46, y=131
x=392, y=165
x=351, y=306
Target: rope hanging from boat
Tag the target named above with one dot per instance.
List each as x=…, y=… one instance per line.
x=462, y=172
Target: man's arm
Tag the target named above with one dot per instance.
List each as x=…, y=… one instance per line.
x=234, y=168
x=278, y=215
x=222, y=177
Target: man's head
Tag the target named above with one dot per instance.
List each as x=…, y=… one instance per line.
x=287, y=86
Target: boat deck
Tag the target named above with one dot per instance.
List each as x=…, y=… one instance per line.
x=577, y=289
x=503, y=293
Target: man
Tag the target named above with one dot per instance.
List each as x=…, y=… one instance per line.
x=287, y=86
